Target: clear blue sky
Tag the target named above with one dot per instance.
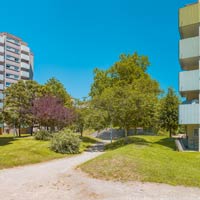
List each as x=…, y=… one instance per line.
x=70, y=38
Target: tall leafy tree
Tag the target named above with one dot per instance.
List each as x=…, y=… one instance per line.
x=126, y=92
x=18, y=102
x=169, y=111
x=55, y=88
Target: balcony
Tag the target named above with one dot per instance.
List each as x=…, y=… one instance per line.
x=24, y=57
x=189, y=114
x=1, y=77
x=189, y=20
x=25, y=65
x=1, y=86
x=25, y=48
x=25, y=74
x=1, y=49
x=1, y=58
x=12, y=40
x=189, y=81
x=1, y=39
x=1, y=68
x=189, y=53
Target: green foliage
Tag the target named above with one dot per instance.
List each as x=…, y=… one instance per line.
x=55, y=88
x=127, y=93
x=18, y=102
x=43, y=135
x=65, y=141
x=169, y=111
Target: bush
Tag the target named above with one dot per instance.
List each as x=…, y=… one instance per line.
x=65, y=141
x=43, y=135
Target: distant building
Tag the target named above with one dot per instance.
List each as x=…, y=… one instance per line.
x=16, y=62
x=189, y=78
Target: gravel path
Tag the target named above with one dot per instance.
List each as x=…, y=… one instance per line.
x=58, y=180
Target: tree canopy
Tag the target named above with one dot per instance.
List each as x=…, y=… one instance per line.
x=126, y=92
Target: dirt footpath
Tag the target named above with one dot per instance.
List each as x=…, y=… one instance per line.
x=58, y=180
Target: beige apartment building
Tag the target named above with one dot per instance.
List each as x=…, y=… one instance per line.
x=16, y=62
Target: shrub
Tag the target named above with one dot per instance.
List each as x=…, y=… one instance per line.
x=43, y=135
x=65, y=141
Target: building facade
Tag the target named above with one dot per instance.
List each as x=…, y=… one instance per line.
x=16, y=62
x=189, y=77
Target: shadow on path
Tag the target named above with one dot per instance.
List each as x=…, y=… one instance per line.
x=98, y=147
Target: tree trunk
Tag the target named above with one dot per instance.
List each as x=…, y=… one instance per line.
x=31, y=130
x=170, y=132
x=19, y=130
x=126, y=135
x=81, y=133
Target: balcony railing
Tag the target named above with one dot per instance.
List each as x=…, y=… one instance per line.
x=189, y=20
x=189, y=114
x=25, y=48
x=25, y=74
x=189, y=48
x=1, y=86
x=25, y=57
x=189, y=80
x=1, y=68
x=1, y=40
x=1, y=58
x=25, y=65
x=1, y=96
x=1, y=49
x=1, y=77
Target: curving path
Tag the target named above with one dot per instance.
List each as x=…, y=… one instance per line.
x=58, y=180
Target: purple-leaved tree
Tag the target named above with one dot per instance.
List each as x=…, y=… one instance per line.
x=50, y=112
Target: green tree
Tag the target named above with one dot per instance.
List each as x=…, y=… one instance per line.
x=169, y=111
x=55, y=88
x=89, y=117
x=18, y=102
x=126, y=92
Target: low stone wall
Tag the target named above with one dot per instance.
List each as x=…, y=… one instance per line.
x=119, y=133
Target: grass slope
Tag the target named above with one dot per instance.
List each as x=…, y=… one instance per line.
x=22, y=151
x=148, y=159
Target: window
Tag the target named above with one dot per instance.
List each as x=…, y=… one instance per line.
x=8, y=84
x=8, y=57
x=13, y=76
x=12, y=49
x=12, y=67
x=196, y=132
x=12, y=40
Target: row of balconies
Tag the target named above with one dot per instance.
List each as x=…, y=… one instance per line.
x=23, y=57
x=23, y=65
x=23, y=48
x=23, y=74
x=189, y=56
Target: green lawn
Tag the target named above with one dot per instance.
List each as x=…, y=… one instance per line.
x=22, y=151
x=146, y=159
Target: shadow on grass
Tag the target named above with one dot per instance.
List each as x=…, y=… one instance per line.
x=130, y=140
x=6, y=140
x=167, y=142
